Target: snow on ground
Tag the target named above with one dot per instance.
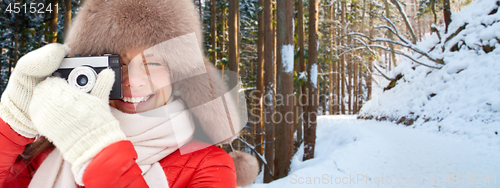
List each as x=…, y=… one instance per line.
x=361, y=153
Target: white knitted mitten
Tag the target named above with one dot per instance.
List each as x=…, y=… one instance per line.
x=30, y=70
x=79, y=124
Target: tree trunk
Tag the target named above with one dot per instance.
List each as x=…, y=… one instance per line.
x=362, y=54
x=324, y=90
x=45, y=38
x=433, y=9
x=269, y=98
x=370, y=59
x=213, y=28
x=233, y=48
x=259, y=135
x=238, y=25
x=302, y=69
x=360, y=87
x=355, y=66
x=349, y=62
x=297, y=121
x=331, y=63
x=337, y=67
x=312, y=78
x=389, y=34
x=53, y=22
x=223, y=36
x=301, y=37
x=201, y=11
x=342, y=58
x=13, y=52
x=355, y=87
x=447, y=14
x=67, y=16
x=284, y=77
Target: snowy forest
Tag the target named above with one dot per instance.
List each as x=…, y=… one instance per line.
x=339, y=88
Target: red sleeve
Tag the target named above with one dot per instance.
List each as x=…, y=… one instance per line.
x=12, y=144
x=114, y=166
x=215, y=170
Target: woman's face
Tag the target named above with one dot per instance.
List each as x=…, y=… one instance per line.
x=146, y=85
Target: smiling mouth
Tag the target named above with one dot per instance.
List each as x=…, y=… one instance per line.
x=136, y=99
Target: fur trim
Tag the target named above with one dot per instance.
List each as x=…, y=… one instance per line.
x=115, y=26
x=247, y=168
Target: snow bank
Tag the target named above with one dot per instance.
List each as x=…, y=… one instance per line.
x=463, y=97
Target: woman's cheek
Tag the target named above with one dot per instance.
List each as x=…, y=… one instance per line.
x=160, y=79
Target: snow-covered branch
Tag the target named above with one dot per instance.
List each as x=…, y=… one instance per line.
x=394, y=30
x=410, y=46
x=403, y=54
x=405, y=18
x=382, y=73
x=434, y=29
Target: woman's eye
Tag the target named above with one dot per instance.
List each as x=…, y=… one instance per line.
x=154, y=64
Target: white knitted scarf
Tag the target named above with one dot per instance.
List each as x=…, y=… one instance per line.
x=153, y=138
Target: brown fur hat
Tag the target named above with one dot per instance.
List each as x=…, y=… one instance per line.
x=115, y=26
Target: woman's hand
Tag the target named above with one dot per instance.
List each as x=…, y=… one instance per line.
x=79, y=124
x=30, y=70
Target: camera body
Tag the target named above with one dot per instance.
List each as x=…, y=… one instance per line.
x=81, y=72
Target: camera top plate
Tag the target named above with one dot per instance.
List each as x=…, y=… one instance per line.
x=92, y=61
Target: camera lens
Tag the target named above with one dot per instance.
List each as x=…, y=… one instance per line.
x=82, y=80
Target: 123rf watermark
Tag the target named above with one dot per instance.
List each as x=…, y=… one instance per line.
x=457, y=179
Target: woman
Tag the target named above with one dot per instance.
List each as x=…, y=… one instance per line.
x=145, y=139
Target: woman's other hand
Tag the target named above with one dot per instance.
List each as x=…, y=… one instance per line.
x=30, y=70
x=79, y=124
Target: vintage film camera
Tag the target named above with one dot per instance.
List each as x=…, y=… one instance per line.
x=81, y=72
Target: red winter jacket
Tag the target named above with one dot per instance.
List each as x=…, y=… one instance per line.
x=115, y=165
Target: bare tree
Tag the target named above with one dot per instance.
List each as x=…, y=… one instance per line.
x=213, y=28
x=14, y=53
x=302, y=68
x=233, y=48
x=331, y=75
x=351, y=62
x=259, y=135
x=201, y=12
x=67, y=16
x=342, y=56
x=370, y=58
x=269, y=98
x=389, y=34
x=285, y=62
x=53, y=22
x=222, y=38
x=446, y=14
x=312, y=78
x=339, y=60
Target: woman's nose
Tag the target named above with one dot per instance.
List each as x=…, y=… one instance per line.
x=134, y=77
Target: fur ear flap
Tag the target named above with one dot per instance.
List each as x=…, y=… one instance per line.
x=247, y=167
